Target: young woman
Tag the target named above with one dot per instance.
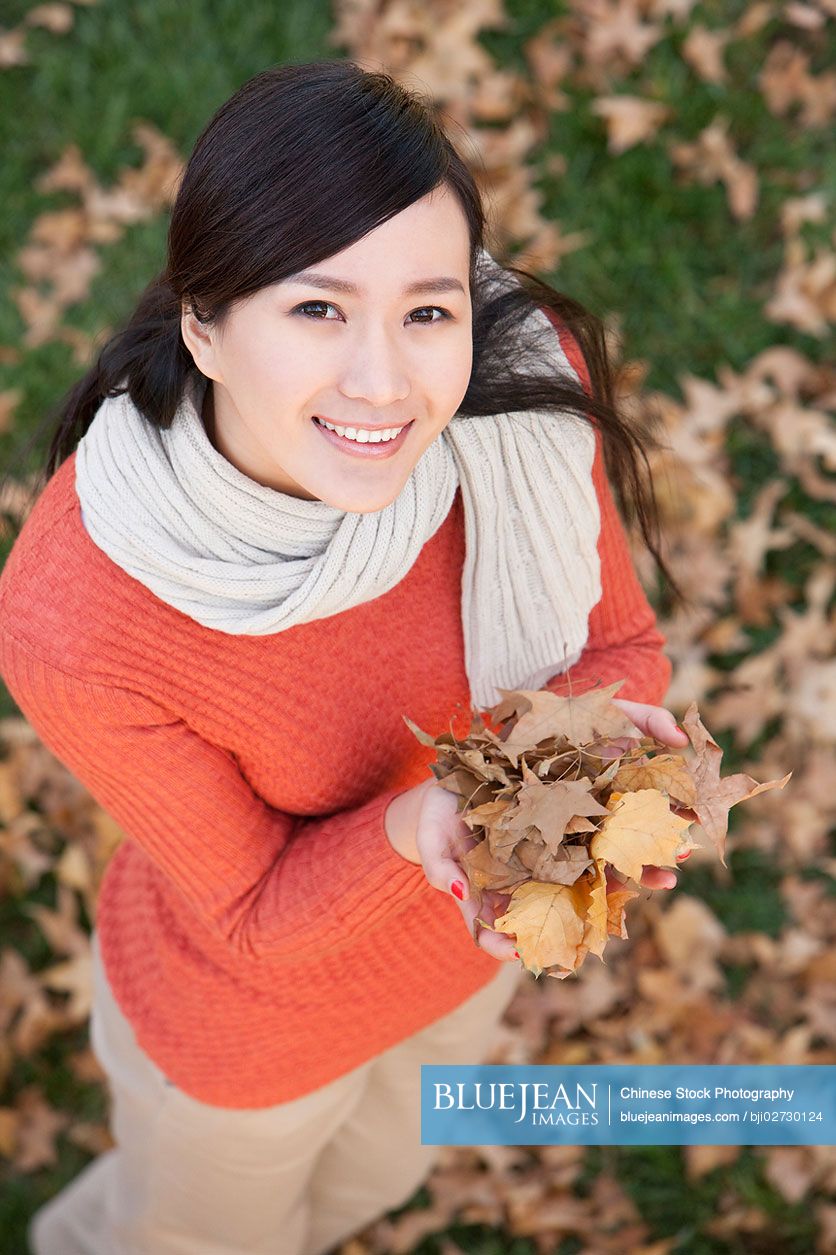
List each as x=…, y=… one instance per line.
x=339, y=467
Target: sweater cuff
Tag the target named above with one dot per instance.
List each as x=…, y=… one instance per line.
x=364, y=880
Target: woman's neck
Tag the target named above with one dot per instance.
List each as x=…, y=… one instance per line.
x=208, y=414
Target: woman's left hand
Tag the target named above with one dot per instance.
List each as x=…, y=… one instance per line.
x=657, y=722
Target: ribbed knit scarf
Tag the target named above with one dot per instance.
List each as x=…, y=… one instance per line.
x=239, y=557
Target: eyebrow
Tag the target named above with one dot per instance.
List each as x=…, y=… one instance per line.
x=316, y=280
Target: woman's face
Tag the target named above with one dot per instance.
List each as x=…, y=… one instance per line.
x=359, y=346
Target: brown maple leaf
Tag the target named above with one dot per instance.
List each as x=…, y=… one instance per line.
x=715, y=794
x=550, y=807
x=542, y=714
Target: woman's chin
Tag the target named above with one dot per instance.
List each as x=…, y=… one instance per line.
x=356, y=500
x=355, y=505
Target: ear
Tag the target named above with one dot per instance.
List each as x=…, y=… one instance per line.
x=198, y=338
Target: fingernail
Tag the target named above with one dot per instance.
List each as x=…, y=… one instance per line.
x=687, y=854
x=457, y=888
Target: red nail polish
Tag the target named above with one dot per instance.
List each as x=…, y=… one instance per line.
x=687, y=854
x=457, y=888
x=516, y=954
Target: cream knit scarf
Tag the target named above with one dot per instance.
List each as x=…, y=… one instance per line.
x=240, y=557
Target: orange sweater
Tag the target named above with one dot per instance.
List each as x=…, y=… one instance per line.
x=257, y=928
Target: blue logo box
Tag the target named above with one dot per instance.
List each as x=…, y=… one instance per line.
x=628, y=1105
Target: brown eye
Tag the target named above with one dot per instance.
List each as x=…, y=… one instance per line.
x=307, y=304
x=428, y=321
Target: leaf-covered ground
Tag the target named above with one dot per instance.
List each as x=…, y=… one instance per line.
x=670, y=165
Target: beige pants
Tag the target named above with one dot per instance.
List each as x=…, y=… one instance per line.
x=298, y=1178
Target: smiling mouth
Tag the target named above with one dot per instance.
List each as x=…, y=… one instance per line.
x=363, y=448
x=331, y=424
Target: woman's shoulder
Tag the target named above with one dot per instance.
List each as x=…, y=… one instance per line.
x=32, y=566
x=60, y=595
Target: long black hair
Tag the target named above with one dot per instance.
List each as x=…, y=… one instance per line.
x=302, y=161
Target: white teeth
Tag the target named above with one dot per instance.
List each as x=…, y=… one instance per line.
x=362, y=436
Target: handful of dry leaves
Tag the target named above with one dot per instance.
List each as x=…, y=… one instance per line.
x=553, y=803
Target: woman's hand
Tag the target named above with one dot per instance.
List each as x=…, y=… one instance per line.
x=441, y=838
x=657, y=722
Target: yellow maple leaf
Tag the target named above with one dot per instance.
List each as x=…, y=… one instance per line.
x=666, y=772
x=617, y=900
x=641, y=831
x=592, y=905
x=546, y=922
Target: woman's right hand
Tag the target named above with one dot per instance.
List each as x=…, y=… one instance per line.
x=442, y=838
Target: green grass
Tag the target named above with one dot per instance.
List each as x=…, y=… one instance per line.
x=654, y=1177
x=88, y=88
x=688, y=279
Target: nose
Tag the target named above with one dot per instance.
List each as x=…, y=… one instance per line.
x=375, y=372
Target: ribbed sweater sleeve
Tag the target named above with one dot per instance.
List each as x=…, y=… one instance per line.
x=624, y=640
x=270, y=885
